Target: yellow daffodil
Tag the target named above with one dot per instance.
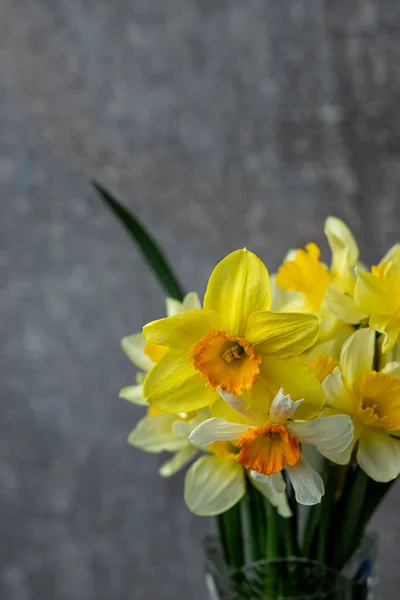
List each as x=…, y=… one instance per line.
x=270, y=442
x=160, y=431
x=305, y=284
x=234, y=344
x=144, y=355
x=216, y=482
x=378, y=295
x=372, y=399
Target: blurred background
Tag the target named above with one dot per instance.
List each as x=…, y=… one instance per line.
x=222, y=124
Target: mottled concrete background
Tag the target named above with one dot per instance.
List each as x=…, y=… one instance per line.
x=223, y=124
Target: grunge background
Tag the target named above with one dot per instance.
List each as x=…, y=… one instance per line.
x=222, y=124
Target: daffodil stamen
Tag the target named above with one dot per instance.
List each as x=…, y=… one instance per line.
x=233, y=353
x=268, y=449
x=225, y=362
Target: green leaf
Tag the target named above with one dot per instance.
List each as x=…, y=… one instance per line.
x=149, y=248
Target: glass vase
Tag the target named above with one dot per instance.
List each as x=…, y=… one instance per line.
x=292, y=578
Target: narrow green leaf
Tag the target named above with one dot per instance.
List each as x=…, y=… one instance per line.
x=149, y=248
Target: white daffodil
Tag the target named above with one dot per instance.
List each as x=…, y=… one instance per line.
x=269, y=443
x=217, y=481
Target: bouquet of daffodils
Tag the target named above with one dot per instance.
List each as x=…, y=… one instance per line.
x=275, y=391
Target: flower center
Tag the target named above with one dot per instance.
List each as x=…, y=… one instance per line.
x=268, y=448
x=305, y=274
x=378, y=395
x=225, y=362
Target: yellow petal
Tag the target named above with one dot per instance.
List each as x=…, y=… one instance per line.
x=357, y=355
x=174, y=385
x=181, y=331
x=393, y=270
x=282, y=334
x=213, y=485
x=297, y=380
x=133, y=346
x=343, y=306
x=389, y=327
x=133, y=393
x=343, y=246
x=337, y=394
x=379, y=455
x=374, y=295
x=238, y=286
x=305, y=274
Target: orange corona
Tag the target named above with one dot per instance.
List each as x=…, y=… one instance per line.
x=226, y=362
x=268, y=448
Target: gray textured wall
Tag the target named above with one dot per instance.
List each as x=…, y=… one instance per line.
x=223, y=124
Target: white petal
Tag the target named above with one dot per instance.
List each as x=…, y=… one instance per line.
x=133, y=393
x=357, y=355
x=282, y=407
x=328, y=434
x=191, y=301
x=266, y=487
x=343, y=245
x=278, y=481
x=178, y=461
x=183, y=428
x=133, y=346
x=379, y=455
x=213, y=485
x=172, y=307
x=154, y=433
x=393, y=368
x=341, y=458
x=307, y=483
x=214, y=430
x=240, y=406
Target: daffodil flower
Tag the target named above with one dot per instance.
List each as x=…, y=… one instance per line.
x=234, y=343
x=304, y=283
x=217, y=481
x=270, y=443
x=160, y=431
x=378, y=295
x=372, y=400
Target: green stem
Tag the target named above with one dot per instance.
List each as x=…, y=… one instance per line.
x=327, y=503
x=254, y=518
x=230, y=532
x=350, y=528
x=285, y=526
x=272, y=540
x=293, y=522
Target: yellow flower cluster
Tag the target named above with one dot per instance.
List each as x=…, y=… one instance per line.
x=308, y=356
